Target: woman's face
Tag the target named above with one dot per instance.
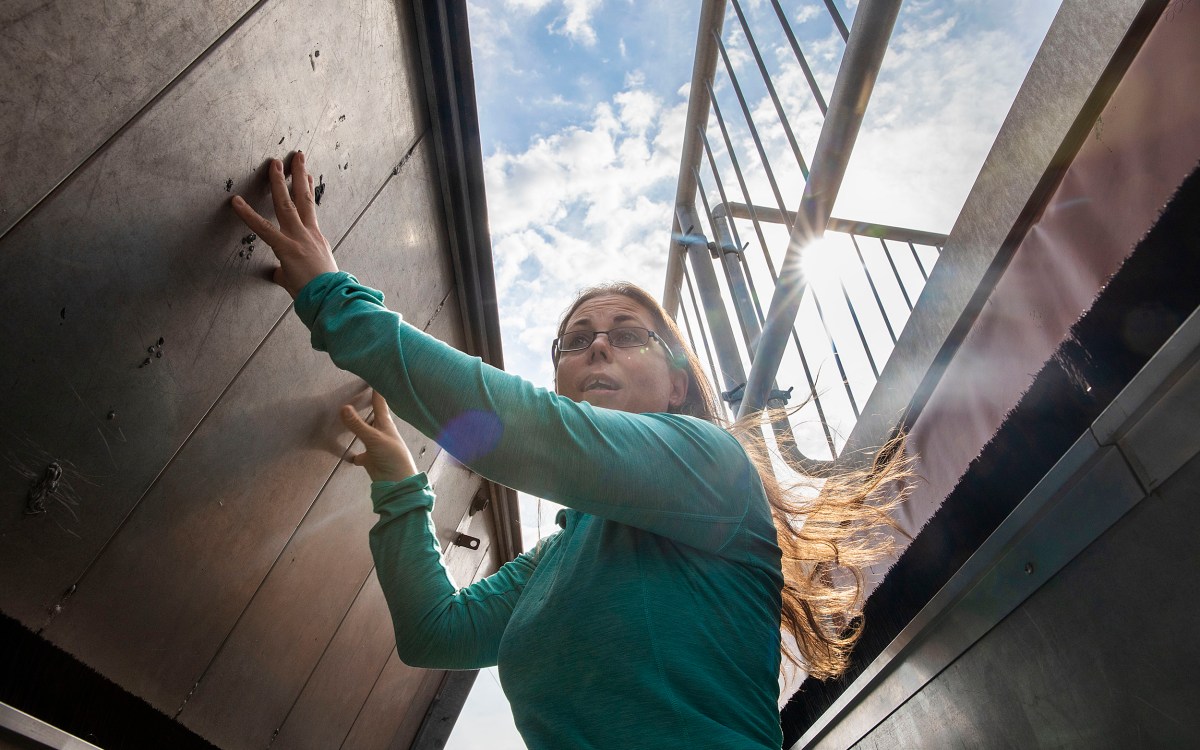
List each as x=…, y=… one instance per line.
x=639, y=379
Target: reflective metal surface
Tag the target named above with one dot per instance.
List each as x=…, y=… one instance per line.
x=77, y=72
x=141, y=246
x=202, y=545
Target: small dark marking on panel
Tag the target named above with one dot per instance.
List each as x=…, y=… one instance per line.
x=112, y=414
x=63, y=313
x=320, y=190
x=35, y=501
x=312, y=62
x=342, y=118
x=229, y=185
x=316, y=53
x=281, y=140
x=156, y=349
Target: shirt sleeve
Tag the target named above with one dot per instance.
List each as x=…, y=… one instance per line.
x=438, y=625
x=676, y=476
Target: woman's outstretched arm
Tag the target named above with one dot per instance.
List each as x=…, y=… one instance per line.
x=676, y=476
x=437, y=624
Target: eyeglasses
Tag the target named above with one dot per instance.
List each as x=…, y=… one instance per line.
x=624, y=338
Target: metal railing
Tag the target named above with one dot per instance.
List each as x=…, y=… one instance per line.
x=804, y=305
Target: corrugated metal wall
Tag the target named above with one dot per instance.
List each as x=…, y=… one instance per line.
x=204, y=548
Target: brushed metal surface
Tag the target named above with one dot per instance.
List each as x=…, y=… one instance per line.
x=141, y=245
x=318, y=574
x=152, y=611
x=1165, y=438
x=76, y=72
x=339, y=685
x=1104, y=655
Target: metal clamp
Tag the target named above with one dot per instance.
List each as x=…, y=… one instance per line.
x=464, y=540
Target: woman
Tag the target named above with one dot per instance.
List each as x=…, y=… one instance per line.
x=652, y=619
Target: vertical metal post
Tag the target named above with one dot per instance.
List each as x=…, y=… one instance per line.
x=712, y=16
x=687, y=277
x=728, y=359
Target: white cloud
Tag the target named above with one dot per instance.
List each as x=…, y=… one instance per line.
x=577, y=25
x=587, y=204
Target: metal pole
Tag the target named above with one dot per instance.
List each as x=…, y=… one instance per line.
x=712, y=17
x=896, y=271
x=762, y=69
x=762, y=153
x=808, y=74
x=856, y=79
x=728, y=358
x=875, y=291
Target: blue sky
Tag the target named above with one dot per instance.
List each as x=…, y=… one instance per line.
x=582, y=105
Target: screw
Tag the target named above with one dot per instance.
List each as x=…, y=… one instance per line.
x=112, y=414
x=1028, y=568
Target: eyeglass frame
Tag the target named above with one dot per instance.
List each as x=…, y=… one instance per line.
x=556, y=351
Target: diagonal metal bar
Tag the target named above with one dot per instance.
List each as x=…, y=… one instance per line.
x=762, y=152
x=860, y=67
x=808, y=74
x=762, y=69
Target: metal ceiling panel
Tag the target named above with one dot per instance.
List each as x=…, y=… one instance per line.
x=333, y=696
x=81, y=71
x=140, y=246
x=156, y=605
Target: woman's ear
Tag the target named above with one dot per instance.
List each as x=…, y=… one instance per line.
x=679, y=387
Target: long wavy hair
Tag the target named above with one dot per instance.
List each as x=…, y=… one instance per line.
x=830, y=527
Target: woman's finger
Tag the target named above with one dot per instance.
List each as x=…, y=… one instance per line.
x=355, y=424
x=260, y=226
x=383, y=415
x=285, y=209
x=302, y=194
x=357, y=459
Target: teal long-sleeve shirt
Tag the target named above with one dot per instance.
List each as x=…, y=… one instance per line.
x=650, y=620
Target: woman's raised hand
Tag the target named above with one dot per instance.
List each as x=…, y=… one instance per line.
x=302, y=251
x=386, y=458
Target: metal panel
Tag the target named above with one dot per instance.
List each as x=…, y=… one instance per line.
x=1087, y=226
x=1165, y=438
x=31, y=732
x=308, y=592
x=1039, y=136
x=141, y=245
x=142, y=615
x=339, y=685
x=1104, y=655
x=79, y=72
x=324, y=564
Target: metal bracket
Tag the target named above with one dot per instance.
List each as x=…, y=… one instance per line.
x=735, y=396
x=480, y=502
x=465, y=540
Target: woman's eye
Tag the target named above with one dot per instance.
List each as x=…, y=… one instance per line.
x=577, y=340
x=626, y=337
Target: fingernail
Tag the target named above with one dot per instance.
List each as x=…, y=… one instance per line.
x=237, y=200
x=277, y=165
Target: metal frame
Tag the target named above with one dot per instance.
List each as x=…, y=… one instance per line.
x=1090, y=488
x=36, y=730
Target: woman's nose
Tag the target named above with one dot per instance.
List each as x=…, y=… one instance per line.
x=596, y=349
